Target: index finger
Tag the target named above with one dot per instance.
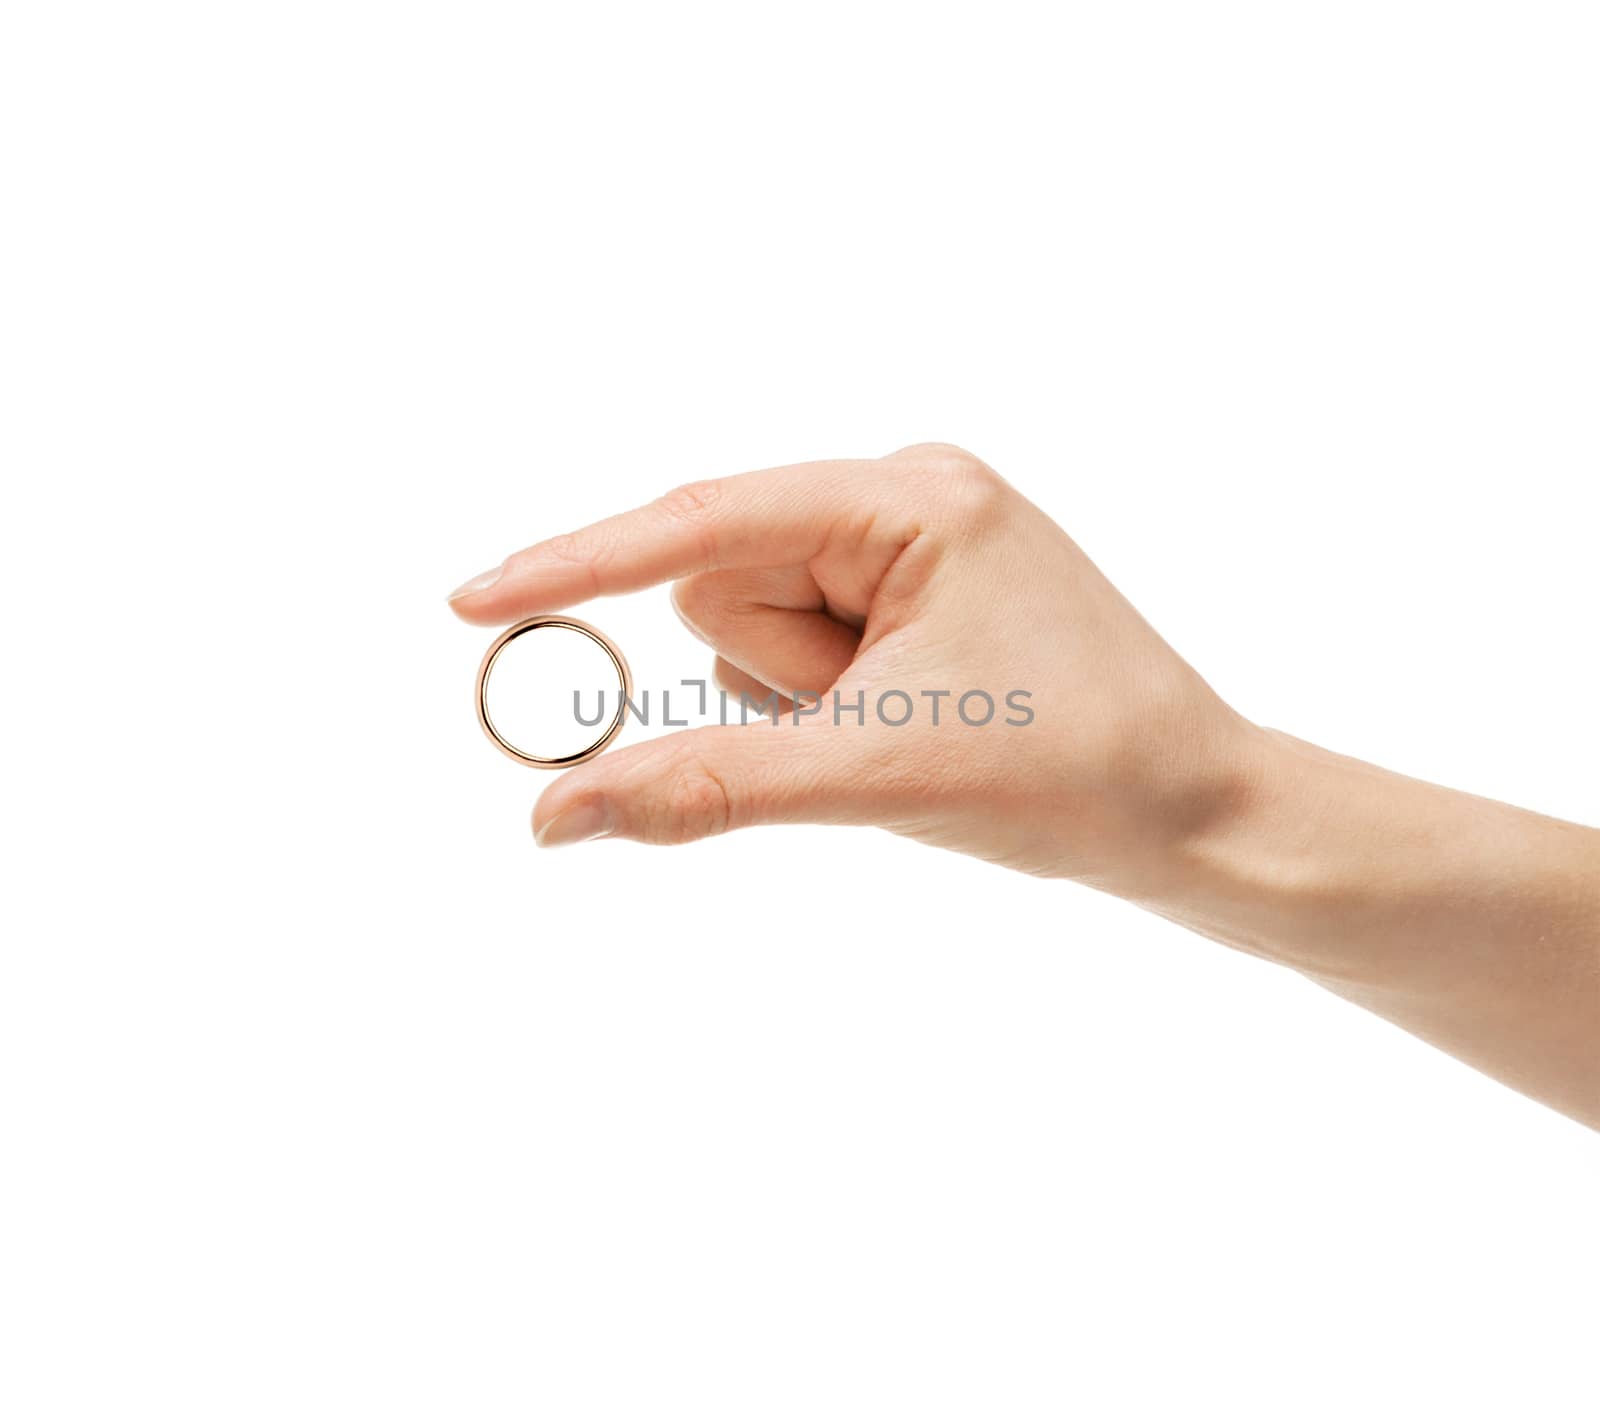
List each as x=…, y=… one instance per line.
x=768, y=518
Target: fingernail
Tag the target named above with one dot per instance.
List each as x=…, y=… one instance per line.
x=587, y=820
x=482, y=582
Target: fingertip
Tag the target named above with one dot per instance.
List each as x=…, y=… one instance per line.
x=587, y=819
x=566, y=791
x=468, y=598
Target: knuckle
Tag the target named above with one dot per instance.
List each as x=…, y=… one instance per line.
x=565, y=547
x=694, y=804
x=692, y=503
x=970, y=486
x=935, y=457
x=954, y=475
x=692, y=509
x=578, y=550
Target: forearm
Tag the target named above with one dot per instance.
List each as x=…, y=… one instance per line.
x=1471, y=923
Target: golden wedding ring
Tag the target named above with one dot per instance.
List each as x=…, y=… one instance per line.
x=624, y=680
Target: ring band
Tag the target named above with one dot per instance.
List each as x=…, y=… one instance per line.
x=528, y=759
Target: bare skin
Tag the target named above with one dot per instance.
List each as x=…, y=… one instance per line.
x=1471, y=923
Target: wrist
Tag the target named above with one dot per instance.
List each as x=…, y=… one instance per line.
x=1362, y=877
x=1259, y=867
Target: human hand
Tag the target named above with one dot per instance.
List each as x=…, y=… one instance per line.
x=922, y=572
x=1466, y=921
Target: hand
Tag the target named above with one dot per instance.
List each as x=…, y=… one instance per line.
x=922, y=572
x=1471, y=923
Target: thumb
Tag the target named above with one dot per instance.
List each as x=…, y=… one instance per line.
x=702, y=782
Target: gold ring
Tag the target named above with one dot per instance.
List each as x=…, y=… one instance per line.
x=600, y=744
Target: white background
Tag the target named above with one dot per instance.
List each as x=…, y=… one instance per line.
x=321, y=1085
